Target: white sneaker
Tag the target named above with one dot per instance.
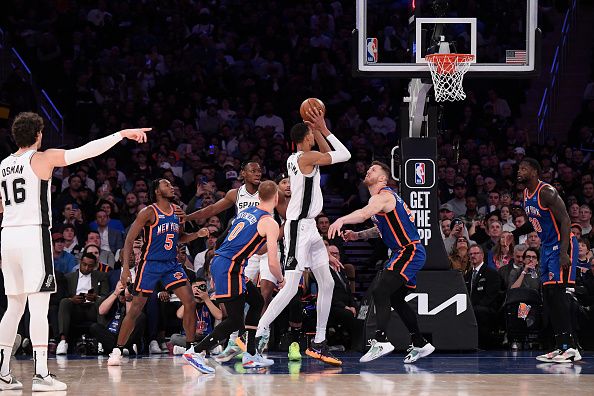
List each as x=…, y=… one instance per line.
x=216, y=350
x=570, y=355
x=17, y=344
x=198, y=361
x=255, y=361
x=178, y=351
x=9, y=383
x=164, y=348
x=47, y=383
x=377, y=349
x=229, y=353
x=115, y=357
x=548, y=357
x=415, y=353
x=62, y=348
x=154, y=348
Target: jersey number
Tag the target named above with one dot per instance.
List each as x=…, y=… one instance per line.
x=168, y=241
x=536, y=225
x=235, y=231
x=17, y=190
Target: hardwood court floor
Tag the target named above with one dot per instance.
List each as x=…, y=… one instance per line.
x=483, y=374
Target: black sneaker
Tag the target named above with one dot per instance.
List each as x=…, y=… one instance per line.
x=320, y=351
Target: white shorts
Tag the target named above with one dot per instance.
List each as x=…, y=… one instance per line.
x=27, y=260
x=304, y=246
x=258, y=263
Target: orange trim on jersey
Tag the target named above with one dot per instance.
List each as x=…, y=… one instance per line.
x=411, y=286
x=527, y=195
x=392, y=228
x=175, y=282
x=229, y=277
x=395, y=260
x=147, y=247
x=412, y=255
x=166, y=214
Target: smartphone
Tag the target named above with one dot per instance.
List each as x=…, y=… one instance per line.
x=211, y=149
x=91, y=291
x=81, y=294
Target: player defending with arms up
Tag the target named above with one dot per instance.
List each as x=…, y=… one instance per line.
x=158, y=262
x=304, y=246
x=251, y=229
x=394, y=223
x=27, y=265
x=559, y=254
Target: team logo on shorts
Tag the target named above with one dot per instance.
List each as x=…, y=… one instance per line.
x=178, y=275
x=551, y=275
x=419, y=173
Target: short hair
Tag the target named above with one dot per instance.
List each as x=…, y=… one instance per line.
x=476, y=246
x=92, y=232
x=298, y=132
x=385, y=168
x=200, y=279
x=520, y=248
x=267, y=190
x=154, y=187
x=25, y=128
x=280, y=177
x=89, y=256
x=531, y=250
x=531, y=162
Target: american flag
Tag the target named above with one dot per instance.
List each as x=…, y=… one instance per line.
x=515, y=56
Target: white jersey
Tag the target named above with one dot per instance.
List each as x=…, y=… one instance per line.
x=25, y=197
x=306, y=194
x=245, y=199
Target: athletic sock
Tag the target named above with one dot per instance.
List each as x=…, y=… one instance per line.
x=380, y=336
x=251, y=341
x=5, y=353
x=40, y=360
x=418, y=340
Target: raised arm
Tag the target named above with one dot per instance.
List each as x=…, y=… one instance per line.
x=145, y=216
x=220, y=206
x=377, y=203
x=350, y=235
x=44, y=162
x=551, y=199
x=201, y=233
x=268, y=228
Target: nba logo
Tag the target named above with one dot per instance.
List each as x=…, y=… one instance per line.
x=372, y=50
x=419, y=173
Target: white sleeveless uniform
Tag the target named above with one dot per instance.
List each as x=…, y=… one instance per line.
x=304, y=246
x=27, y=259
x=258, y=263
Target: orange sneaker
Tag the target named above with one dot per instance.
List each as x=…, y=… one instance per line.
x=320, y=351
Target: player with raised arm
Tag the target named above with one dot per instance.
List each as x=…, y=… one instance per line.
x=27, y=264
x=304, y=247
x=558, y=259
x=158, y=262
x=394, y=223
x=250, y=230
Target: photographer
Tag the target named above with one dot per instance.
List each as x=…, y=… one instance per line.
x=457, y=230
x=529, y=277
x=113, y=309
x=207, y=312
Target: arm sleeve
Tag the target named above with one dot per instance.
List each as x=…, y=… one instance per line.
x=340, y=153
x=92, y=149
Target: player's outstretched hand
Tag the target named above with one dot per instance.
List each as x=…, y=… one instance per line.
x=125, y=276
x=349, y=235
x=317, y=123
x=334, y=229
x=203, y=232
x=335, y=263
x=137, y=134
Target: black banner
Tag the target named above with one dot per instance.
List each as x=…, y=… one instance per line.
x=443, y=309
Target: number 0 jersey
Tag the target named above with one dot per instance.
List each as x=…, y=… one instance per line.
x=243, y=239
x=541, y=218
x=25, y=197
x=160, y=238
x=398, y=226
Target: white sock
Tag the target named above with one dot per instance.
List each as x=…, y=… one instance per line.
x=5, y=353
x=40, y=360
x=280, y=302
x=325, y=291
x=234, y=336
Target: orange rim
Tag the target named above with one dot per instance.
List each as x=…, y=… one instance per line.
x=447, y=63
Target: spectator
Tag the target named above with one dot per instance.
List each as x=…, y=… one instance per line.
x=533, y=241
x=63, y=261
x=585, y=219
x=459, y=259
x=105, y=256
x=458, y=203
x=130, y=209
x=500, y=106
x=446, y=212
x=510, y=272
x=457, y=230
x=111, y=239
x=200, y=258
x=445, y=226
x=343, y=310
x=507, y=219
x=495, y=229
x=472, y=214
x=483, y=284
x=502, y=253
x=529, y=277
x=270, y=120
x=381, y=123
x=574, y=212
x=71, y=244
x=86, y=289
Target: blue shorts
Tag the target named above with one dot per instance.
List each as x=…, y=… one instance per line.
x=170, y=273
x=551, y=272
x=228, y=278
x=407, y=262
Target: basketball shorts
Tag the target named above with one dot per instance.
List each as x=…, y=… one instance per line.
x=27, y=260
x=258, y=265
x=550, y=267
x=407, y=262
x=170, y=273
x=304, y=246
x=228, y=278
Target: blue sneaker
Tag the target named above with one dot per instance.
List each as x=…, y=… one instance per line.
x=198, y=361
x=255, y=361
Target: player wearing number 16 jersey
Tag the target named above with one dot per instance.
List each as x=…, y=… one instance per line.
x=27, y=264
x=559, y=253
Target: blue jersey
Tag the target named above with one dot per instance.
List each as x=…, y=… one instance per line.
x=541, y=218
x=160, y=238
x=243, y=239
x=397, y=227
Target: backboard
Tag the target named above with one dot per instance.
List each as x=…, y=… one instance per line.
x=392, y=37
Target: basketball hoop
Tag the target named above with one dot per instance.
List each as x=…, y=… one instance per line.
x=447, y=72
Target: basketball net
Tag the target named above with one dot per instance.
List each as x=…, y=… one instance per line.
x=447, y=73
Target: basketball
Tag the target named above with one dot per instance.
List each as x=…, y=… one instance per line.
x=311, y=103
